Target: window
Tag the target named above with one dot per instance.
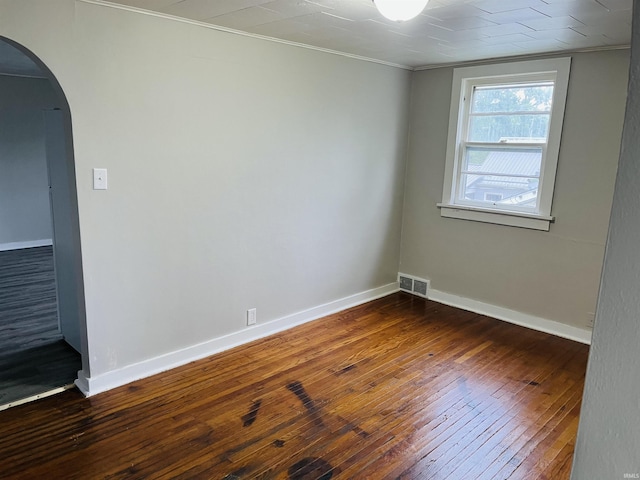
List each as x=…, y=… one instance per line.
x=504, y=137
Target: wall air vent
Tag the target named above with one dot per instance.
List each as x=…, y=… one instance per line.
x=420, y=287
x=406, y=283
x=416, y=286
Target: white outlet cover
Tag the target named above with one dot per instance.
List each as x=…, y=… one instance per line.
x=251, y=316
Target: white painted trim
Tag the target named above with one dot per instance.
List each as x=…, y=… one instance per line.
x=511, y=219
x=45, y=242
x=38, y=396
x=82, y=383
x=219, y=28
x=581, y=335
x=116, y=378
x=515, y=58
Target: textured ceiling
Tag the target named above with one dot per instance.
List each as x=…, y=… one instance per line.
x=448, y=31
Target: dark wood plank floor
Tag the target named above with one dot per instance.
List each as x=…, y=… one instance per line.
x=28, y=310
x=397, y=388
x=33, y=357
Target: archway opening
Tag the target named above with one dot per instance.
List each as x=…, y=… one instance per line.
x=42, y=262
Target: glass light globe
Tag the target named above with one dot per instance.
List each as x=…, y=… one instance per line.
x=400, y=10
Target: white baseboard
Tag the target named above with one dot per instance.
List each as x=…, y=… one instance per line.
x=106, y=381
x=45, y=242
x=581, y=335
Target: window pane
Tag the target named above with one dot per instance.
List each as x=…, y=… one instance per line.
x=505, y=176
x=500, y=191
x=503, y=161
x=513, y=98
x=509, y=128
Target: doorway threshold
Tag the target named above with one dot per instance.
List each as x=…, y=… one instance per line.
x=38, y=396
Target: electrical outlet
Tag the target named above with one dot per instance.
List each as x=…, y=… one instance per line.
x=590, y=318
x=251, y=316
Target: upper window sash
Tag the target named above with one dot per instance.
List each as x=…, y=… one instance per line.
x=470, y=85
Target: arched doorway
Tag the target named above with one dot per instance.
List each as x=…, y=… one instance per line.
x=19, y=68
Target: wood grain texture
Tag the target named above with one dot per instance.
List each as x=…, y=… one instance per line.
x=28, y=310
x=397, y=388
x=33, y=357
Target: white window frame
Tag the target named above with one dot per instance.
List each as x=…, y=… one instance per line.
x=464, y=80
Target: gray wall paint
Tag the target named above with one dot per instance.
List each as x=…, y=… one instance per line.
x=24, y=193
x=65, y=244
x=242, y=173
x=553, y=275
x=608, y=443
x=249, y=174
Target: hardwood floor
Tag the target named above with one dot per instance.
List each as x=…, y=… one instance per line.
x=28, y=310
x=33, y=357
x=397, y=388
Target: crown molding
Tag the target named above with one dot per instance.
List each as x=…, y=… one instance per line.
x=219, y=28
x=517, y=58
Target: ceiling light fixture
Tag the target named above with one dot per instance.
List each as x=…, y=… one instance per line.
x=400, y=10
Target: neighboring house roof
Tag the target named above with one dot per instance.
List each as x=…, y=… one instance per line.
x=510, y=162
x=492, y=181
x=526, y=163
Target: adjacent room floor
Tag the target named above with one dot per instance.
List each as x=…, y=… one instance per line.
x=397, y=388
x=33, y=357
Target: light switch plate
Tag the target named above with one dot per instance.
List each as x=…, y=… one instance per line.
x=99, y=178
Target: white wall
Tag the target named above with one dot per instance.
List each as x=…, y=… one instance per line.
x=242, y=173
x=608, y=442
x=550, y=275
x=24, y=192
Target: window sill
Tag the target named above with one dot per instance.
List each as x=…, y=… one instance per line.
x=512, y=219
